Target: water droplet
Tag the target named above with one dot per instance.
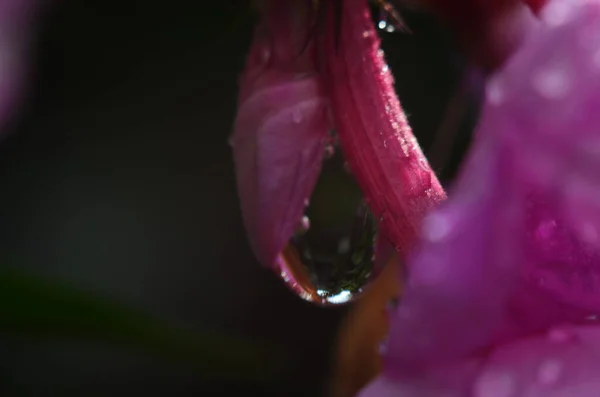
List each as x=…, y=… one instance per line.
x=495, y=92
x=344, y=245
x=436, y=227
x=559, y=335
x=546, y=229
x=549, y=372
x=389, y=19
x=494, y=385
x=329, y=152
x=333, y=260
x=297, y=116
x=552, y=82
x=304, y=224
x=347, y=167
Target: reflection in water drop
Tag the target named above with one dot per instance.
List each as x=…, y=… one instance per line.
x=332, y=261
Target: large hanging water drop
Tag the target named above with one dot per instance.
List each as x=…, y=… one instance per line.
x=333, y=254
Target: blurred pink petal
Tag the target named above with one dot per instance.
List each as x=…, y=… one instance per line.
x=281, y=128
x=515, y=251
x=564, y=362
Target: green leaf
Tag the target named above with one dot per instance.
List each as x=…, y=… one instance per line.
x=32, y=307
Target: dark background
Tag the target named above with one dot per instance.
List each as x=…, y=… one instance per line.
x=117, y=178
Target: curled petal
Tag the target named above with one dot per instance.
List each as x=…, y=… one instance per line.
x=278, y=147
x=281, y=128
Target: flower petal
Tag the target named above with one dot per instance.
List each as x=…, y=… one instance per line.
x=377, y=141
x=562, y=363
x=280, y=130
x=482, y=276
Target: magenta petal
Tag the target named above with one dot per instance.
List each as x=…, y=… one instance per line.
x=278, y=146
x=551, y=92
x=563, y=362
x=454, y=380
x=513, y=251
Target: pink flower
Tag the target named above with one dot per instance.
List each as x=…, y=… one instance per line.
x=299, y=83
x=503, y=297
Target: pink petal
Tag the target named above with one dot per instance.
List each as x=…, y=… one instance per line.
x=377, y=141
x=482, y=275
x=564, y=362
x=552, y=90
x=280, y=130
x=461, y=278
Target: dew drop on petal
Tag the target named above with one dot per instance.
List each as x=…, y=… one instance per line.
x=552, y=82
x=305, y=224
x=559, y=335
x=329, y=152
x=495, y=92
x=549, y=372
x=592, y=317
x=436, y=227
x=347, y=167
